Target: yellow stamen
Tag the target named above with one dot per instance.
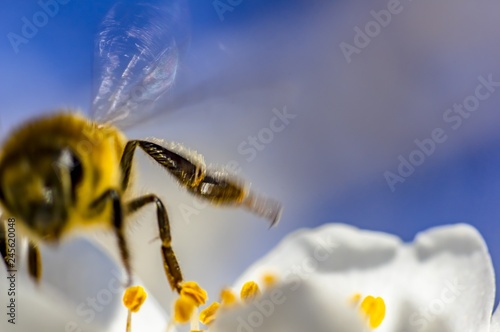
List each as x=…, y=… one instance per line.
x=193, y=290
x=269, y=279
x=374, y=309
x=249, y=291
x=184, y=308
x=227, y=297
x=134, y=297
x=208, y=314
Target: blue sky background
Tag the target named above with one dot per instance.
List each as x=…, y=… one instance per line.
x=353, y=119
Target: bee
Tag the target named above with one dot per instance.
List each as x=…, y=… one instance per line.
x=65, y=172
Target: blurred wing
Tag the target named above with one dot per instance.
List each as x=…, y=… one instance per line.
x=136, y=58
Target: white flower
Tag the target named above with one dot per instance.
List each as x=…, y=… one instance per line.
x=81, y=291
x=442, y=282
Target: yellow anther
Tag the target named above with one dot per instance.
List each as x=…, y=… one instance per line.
x=193, y=290
x=355, y=298
x=269, y=279
x=208, y=314
x=249, y=291
x=184, y=308
x=374, y=310
x=134, y=297
x=227, y=297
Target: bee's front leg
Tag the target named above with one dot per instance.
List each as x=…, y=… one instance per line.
x=34, y=262
x=34, y=257
x=3, y=243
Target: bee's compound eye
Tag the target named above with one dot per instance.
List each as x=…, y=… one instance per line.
x=76, y=171
x=2, y=195
x=72, y=163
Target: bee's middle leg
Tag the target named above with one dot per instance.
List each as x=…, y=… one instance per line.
x=118, y=227
x=170, y=263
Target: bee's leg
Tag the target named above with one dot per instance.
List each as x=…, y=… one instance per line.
x=181, y=168
x=34, y=262
x=3, y=243
x=34, y=258
x=118, y=227
x=170, y=264
x=214, y=186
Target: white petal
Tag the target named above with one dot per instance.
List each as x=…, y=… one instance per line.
x=81, y=291
x=495, y=321
x=442, y=282
x=455, y=273
x=287, y=308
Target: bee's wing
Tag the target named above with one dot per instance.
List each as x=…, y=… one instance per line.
x=137, y=57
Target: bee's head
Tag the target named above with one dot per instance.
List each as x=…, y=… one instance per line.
x=39, y=188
